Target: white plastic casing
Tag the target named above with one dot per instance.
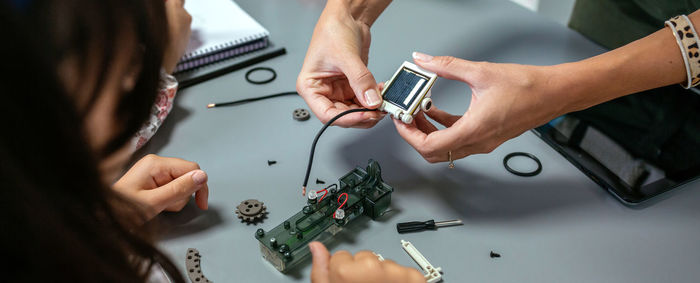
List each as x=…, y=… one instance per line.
x=422, y=100
x=432, y=274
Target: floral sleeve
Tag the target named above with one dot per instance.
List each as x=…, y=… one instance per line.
x=160, y=110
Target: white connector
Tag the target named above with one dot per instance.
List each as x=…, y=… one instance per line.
x=379, y=257
x=433, y=274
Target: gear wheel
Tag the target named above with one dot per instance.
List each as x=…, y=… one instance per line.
x=251, y=210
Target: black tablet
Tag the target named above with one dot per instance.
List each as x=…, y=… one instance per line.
x=636, y=147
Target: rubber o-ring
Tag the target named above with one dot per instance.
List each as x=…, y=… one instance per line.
x=253, y=70
x=523, y=154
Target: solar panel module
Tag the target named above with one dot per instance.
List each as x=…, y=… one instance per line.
x=408, y=92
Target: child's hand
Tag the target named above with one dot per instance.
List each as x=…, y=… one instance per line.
x=178, y=32
x=364, y=266
x=164, y=183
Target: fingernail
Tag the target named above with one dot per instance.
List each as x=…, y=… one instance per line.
x=199, y=177
x=372, y=97
x=422, y=56
x=312, y=247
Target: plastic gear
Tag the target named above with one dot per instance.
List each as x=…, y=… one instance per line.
x=251, y=210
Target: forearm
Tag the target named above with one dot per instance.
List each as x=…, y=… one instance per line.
x=366, y=11
x=651, y=62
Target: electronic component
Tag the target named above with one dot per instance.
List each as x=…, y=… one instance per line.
x=251, y=210
x=417, y=226
x=301, y=114
x=432, y=274
x=360, y=192
x=408, y=92
x=194, y=268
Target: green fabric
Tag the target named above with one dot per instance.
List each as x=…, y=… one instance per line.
x=613, y=23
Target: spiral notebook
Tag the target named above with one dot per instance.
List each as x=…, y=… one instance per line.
x=220, y=30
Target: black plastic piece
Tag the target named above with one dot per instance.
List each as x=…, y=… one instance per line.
x=415, y=226
x=522, y=174
x=260, y=82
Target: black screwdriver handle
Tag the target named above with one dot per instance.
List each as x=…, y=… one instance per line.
x=415, y=226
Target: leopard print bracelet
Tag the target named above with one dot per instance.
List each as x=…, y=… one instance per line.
x=687, y=40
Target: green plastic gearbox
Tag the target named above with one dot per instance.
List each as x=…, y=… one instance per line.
x=360, y=192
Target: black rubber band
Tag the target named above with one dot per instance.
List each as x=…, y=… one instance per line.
x=247, y=75
x=523, y=154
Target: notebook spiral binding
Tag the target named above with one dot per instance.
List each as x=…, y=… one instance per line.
x=200, y=53
x=221, y=52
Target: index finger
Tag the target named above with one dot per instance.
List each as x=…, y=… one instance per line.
x=433, y=146
x=170, y=168
x=325, y=110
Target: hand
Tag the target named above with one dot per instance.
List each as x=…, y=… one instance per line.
x=364, y=267
x=164, y=183
x=507, y=99
x=335, y=77
x=178, y=32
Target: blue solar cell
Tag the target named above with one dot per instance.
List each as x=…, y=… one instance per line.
x=401, y=88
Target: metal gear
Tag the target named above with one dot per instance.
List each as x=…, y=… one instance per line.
x=301, y=114
x=251, y=210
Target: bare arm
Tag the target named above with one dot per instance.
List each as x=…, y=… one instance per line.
x=335, y=77
x=650, y=62
x=508, y=99
x=367, y=11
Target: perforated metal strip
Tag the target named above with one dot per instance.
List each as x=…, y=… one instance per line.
x=193, y=263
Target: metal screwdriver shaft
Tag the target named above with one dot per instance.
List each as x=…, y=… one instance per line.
x=417, y=226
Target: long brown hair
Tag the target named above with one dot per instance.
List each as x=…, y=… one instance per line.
x=60, y=222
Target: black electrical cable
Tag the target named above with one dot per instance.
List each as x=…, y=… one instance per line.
x=320, y=132
x=237, y=102
x=260, y=82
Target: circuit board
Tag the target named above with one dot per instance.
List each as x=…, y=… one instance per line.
x=360, y=192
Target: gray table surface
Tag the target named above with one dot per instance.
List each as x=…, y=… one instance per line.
x=556, y=227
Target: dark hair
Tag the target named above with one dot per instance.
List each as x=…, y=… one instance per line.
x=60, y=221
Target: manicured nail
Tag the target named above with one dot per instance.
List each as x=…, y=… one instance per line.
x=312, y=248
x=372, y=97
x=199, y=177
x=422, y=57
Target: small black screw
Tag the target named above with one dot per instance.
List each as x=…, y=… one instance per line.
x=495, y=255
x=271, y=162
x=320, y=181
x=260, y=232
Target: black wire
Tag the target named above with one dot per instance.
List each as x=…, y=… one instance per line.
x=313, y=145
x=242, y=101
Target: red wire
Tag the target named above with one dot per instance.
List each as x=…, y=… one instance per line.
x=324, y=194
x=346, y=199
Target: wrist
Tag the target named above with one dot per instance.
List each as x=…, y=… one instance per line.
x=562, y=88
x=364, y=11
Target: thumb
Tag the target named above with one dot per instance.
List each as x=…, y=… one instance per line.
x=321, y=257
x=181, y=188
x=446, y=66
x=362, y=83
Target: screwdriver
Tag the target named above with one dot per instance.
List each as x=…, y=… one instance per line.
x=417, y=226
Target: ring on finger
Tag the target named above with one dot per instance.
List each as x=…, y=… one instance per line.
x=451, y=165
